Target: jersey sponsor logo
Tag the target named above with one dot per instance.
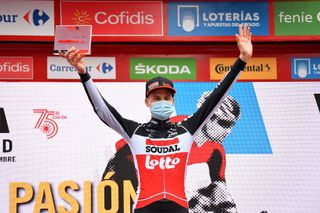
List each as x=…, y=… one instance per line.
x=156, y=149
x=162, y=146
x=162, y=163
x=46, y=122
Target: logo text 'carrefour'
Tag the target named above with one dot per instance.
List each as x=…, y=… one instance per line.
x=27, y=18
x=98, y=67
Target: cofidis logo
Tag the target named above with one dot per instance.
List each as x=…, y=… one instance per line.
x=216, y=18
x=16, y=68
x=98, y=67
x=116, y=18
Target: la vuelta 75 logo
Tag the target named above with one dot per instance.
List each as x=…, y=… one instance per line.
x=46, y=122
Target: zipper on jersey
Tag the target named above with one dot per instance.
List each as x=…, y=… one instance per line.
x=163, y=171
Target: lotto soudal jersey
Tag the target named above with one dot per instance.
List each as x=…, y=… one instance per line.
x=160, y=149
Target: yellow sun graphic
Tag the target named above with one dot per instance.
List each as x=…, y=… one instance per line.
x=81, y=18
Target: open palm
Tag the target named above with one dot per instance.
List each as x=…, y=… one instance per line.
x=244, y=42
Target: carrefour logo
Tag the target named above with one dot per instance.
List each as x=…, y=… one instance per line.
x=27, y=18
x=172, y=68
x=104, y=67
x=36, y=17
x=33, y=17
x=98, y=67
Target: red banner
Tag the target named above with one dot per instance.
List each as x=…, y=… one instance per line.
x=16, y=68
x=116, y=18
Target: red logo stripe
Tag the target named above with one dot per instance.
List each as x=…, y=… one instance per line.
x=162, y=142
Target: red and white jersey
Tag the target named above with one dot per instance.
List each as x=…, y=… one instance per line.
x=160, y=148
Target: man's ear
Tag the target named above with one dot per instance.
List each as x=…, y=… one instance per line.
x=146, y=101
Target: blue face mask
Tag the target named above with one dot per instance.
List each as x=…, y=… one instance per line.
x=162, y=109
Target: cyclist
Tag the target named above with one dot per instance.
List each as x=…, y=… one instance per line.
x=206, y=192
x=160, y=148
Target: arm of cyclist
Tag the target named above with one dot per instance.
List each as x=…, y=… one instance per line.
x=108, y=114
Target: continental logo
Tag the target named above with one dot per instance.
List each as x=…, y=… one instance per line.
x=256, y=69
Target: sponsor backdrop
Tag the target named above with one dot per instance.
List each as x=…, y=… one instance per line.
x=256, y=69
x=162, y=20
x=305, y=68
x=172, y=68
x=16, y=68
x=297, y=18
x=98, y=67
x=34, y=18
x=216, y=18
x=54, y=148
x=116, y=18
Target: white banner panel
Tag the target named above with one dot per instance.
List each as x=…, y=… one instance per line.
x=52, y=135
x=31, y=18
x=98, y=67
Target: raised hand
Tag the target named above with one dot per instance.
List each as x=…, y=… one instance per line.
x=244, y=42
x=75, y=59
